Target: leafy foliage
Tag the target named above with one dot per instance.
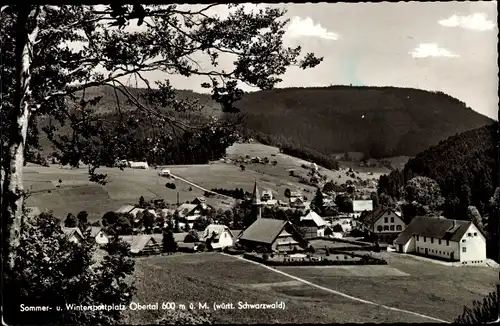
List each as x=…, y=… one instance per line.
x=53, y=271
x=485, y=311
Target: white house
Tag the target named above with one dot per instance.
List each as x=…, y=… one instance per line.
x=443, y=238
x=164, y=172
x=222, y=237
x=138, y=165
x=313, y=225
x=359, y=206
x=384, y=223
x=98, y=234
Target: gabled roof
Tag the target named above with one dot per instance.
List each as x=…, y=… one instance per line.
x=295, y=194
x=125, y=209
x=185, y=209
x=218, y=229
x=263, y=230
x=362, y=205
x=434, y=227
x=138, y=242
x=313, y=216
x=71, y=231
x=94, y=231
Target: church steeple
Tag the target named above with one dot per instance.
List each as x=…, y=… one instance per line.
x=256, y=203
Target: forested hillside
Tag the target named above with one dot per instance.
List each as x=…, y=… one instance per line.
x=318, y=122
x=379, y=121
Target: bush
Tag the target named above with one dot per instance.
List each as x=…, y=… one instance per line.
x=190, y=317
x=52, y=271
x=202, y=247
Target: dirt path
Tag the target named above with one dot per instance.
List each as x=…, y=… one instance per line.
x=340, y=293
x=199, y=187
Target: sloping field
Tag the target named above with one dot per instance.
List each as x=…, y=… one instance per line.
x=212, y=277
x=229, y=176
x=415, y=285
x=287, y=162
x=75, y=193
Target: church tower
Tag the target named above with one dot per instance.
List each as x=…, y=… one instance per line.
x=256, y=203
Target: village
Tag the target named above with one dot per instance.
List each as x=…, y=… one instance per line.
x=283, y=232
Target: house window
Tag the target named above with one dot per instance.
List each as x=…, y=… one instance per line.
x=439, y=241
x=432, y=240
x=386, y=219
x=475, y=234
x=417, y=235
x=386, y=227
x=447, y=242
x=379, y=228
x=392, y=227
x=464, y=249
x=392, y=219
x=463, y=240
x=469, y=234
x=399, y=227
x=425, y=239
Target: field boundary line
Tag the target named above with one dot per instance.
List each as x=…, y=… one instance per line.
x=340, y=293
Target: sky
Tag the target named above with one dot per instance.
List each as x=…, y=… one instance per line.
x=439, y=46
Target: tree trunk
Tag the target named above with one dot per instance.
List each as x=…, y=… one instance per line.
x=12, y=186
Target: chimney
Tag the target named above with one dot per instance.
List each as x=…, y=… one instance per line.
x=454, y=223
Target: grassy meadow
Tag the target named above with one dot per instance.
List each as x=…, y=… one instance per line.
x=213, y=277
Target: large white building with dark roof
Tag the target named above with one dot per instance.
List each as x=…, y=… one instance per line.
x=452, y=240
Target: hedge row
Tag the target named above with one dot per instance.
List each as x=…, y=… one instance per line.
x=325, y=262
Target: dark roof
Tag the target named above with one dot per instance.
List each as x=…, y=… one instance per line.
x=377, y=213
x=434, y=227
x=263, y=230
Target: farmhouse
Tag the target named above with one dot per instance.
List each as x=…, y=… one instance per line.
x=201, y=201
x=99, y=236
x=125, y=209
x=359, y=206
x=383, y=223
x=190, y=212
x=270, y=203
x=298, y=203
x=314, y=226
x=443, y=238
x=73, y=234
x=138, y=165
x=220, y=234
x=142, y=244
x=267, y=195
x=272, y=234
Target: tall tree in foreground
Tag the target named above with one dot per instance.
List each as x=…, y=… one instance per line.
x=43, y=72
